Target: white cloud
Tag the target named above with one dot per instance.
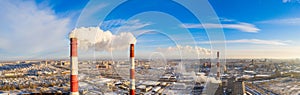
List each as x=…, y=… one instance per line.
x=186, y=51
x=291, y=1
x=288, y=21
x=28, y=30
x=96, y=39
x=245, y=27
x=226, y=19
x=285, y=1
x=134, y=26
x=248, y=41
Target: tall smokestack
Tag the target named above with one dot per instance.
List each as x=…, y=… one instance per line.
x=132, y=70
x=74, y=67
x=218, y=65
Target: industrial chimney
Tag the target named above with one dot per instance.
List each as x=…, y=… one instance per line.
x=74, y=67
x=218, y=65
x=132, y=70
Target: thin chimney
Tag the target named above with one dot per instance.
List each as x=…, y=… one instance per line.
x=218, y=65
x=132, y=70
x=74, y=67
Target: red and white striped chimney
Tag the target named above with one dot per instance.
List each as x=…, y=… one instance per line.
x=74, y=67
x=132, y=70
x=218, y=65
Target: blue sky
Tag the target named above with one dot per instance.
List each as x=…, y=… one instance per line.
x=252, y=28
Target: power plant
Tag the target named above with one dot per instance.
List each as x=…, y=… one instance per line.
x=159, y=87
x=74, y=67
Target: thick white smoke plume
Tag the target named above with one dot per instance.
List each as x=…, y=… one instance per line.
x=96, y=39
x=186, y=51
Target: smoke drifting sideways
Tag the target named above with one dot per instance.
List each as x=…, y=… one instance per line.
x=187, y=51
x=93, y=38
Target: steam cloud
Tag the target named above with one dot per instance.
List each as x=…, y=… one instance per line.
x=186, y=49
x=99, y=40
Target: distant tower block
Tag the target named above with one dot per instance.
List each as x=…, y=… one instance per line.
x=74, y=67
x=132, y=70
x=218, y=65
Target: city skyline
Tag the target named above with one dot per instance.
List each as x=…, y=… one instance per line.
x=252, y=29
